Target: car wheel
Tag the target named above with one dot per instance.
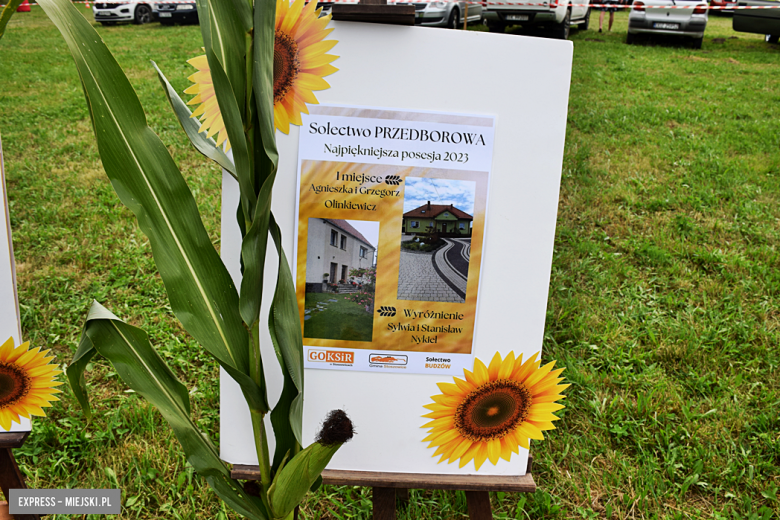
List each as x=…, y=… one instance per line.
x=630, y=39
x=696, y=42
x=561, y=30
x=453, y=22
x=772, y=38
x=585, y=23
x=496, y=27
x=143, y=14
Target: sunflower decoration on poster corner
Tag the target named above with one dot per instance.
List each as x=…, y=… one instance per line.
x=27, y=381
x=300, y=64
x=494, y=410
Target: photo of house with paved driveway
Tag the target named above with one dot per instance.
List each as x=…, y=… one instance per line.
x=436, y=240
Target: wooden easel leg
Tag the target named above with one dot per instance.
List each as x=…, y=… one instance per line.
x=402, y=496
x=384, y=503
x=11, y=478
x=479, y=505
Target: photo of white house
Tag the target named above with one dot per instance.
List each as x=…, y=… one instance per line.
x=340, y=279
x=335, y=248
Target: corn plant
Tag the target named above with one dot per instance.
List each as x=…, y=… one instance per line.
x=238, y=38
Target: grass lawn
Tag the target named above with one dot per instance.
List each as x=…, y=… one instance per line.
x=340, y=319
x=663, y=304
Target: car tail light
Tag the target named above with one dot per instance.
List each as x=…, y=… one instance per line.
x=700, y=9
x=553, y=4
x=639, y=6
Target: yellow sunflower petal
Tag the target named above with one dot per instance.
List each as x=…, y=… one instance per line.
x=458, y=452
x=494, y=450
x=6, y=418
x=526, y=370
x=538, y=375
x=541, y=417
x=494, y=367
x=545, y=407
x=507, y=367
x=542, y=425
x=465, y=386
x=451, y=389
x=470, y=453
x=437, y=439
x=199, y=62
x=507, y=447
x=481, y=375
x=446, y=422
x=481, y=455
x=530, y=431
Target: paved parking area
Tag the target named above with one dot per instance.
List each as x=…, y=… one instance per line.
x=419, y=281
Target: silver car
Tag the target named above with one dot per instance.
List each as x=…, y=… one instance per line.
x=686, y=18
x=442, y=13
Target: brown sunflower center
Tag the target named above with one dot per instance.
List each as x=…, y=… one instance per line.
x=14, y=384
x=493, y=410
x=286, y=65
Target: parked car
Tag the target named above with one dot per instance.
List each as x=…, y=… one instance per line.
x=727, y=6
x=666, y=17
x=759, y=21
x=445, y=13
x=179, y=12
x=554, y=16
x=136, y=11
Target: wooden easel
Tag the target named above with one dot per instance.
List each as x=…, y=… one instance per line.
x=387, y=487
x=10, y=476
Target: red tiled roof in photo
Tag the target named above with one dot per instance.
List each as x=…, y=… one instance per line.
x=433, y=210
x=346, y=226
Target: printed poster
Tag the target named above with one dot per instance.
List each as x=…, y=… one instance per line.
x=391, y=225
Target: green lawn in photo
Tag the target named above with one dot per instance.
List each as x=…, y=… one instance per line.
x=336, y=318
x=663, y=300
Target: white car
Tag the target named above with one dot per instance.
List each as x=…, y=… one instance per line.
x=136, y=11
x=685, y=18
x=555, y=16
x=445, y=13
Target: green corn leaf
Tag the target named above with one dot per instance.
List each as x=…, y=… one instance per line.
x=253, y=250
x=7, y=13
x=231, y=115
x=263, y=75
x=224, y=34
x=284, y=435
x=243, y=13
x=75, y=373
x=299, y=475
x=203, y=144
x=145, y=177
x=284, y=324
x=143, y=370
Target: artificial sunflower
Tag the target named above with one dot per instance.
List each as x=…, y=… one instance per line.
x=494, y=410
x=26, y=382
x=300, y=63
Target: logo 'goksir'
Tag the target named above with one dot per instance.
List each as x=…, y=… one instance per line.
x=331, y=356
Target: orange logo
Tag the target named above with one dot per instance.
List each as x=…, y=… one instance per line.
x=385, y=359
x=331, y=356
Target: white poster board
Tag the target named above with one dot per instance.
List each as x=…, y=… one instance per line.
x=10, y=325
x=524, y=83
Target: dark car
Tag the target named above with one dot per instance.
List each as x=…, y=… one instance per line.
x=759, y=21
x=179, y=12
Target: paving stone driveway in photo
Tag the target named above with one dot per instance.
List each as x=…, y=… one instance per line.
x=418, y=280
